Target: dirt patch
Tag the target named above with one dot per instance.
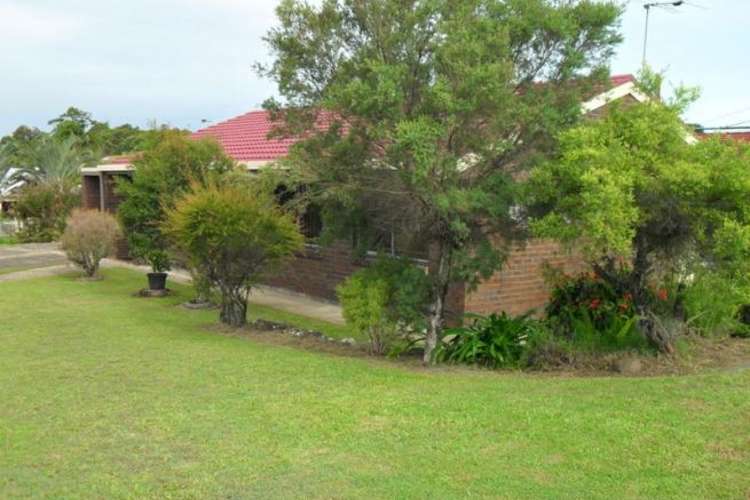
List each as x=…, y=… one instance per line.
x=696, y=354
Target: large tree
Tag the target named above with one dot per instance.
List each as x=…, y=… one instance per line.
x=637, y=195
x=420, y=116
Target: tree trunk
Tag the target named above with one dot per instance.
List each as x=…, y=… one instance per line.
x=440, y=291
x=641, y=300
x=234, y=309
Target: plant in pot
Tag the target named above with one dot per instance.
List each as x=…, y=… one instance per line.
x=160, y=264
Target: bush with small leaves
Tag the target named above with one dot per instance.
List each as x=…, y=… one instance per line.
x=89, y=236
x=232, y=235
x=385, y=300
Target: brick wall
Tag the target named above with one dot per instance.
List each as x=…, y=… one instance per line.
x=317, y=270
x=520, y=286
x=90, y=195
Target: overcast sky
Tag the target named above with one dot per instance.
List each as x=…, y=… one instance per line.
x=180, y=61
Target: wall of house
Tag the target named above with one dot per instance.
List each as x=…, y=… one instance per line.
x=90, y=195
x=520, y=286
x=316, y=271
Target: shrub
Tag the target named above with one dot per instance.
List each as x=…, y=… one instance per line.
x=90, y=236
x=494, y=341
x=43, y=210
x=385, y=300
x=163, y=173
x=715, y=305
x=594, y=314
x=232, y=235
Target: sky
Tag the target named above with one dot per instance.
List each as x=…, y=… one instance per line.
x=184, y=61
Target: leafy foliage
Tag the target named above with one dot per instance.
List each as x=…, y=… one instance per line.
x=494, y=341
x=643, y=203
x=90, y=235
x=43, y=209
x=417, y=116
x=595, y=314
x=384, y=300
x=232, y=236
x=162, y=174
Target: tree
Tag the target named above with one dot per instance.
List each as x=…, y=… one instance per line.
x=641, y=202
x=73, y=123
x=90, y=235
x=49, y=161
x=233, y=235
x=47, y=172
x=162, y=174
x=14, y=148
x=43, y=209
x=419, y=117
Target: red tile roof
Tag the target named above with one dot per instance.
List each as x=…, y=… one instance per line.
x=119, y=159
x=618, y=80
x=245, y=137
x=737, y=136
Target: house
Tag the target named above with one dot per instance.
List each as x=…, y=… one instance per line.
x=9, y=191
x=317, y=270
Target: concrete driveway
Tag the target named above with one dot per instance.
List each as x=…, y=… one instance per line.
x=30, y=256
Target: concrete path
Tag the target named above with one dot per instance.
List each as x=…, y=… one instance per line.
x=38, y=260
x=30, y=256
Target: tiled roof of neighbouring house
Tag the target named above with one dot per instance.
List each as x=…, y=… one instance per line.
x=245, y=137
x=737, y=136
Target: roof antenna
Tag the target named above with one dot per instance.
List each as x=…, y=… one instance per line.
x=648, y=7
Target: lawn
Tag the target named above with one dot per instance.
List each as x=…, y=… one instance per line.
x=107, y=395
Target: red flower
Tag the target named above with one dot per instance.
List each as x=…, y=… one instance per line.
x=662, y=294
x=627, y=297
x=595, y=304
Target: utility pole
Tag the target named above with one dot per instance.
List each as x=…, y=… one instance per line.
x=648, y=7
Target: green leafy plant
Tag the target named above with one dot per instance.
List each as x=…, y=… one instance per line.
x=494, y=341
x=43, y=209
x=234, y=236
x=594, y=314
x=162, y=174
x=715, y=305
x=385, y=301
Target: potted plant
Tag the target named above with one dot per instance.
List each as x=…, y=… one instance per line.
x=160, y=264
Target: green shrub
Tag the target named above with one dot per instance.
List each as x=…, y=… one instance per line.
x=714, y=305
x=595, y=315
x=385, y=301
x=90, y=236
x=493, y=341
x=233, y=236
x=43, y=210
x=162, y=174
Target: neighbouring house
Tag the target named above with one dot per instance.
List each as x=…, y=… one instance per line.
x=735, y=135
x=9, y=192
x=316, y=271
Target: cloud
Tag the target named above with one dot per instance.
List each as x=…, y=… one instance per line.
x=26, y=24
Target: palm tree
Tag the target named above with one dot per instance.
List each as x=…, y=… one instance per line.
x=49, y=161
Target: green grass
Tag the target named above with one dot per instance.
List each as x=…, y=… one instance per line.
x=8, y=240
x=105, y=395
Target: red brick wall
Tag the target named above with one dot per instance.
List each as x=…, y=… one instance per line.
x=520, y=285
x=317, y=270
x=90, y=193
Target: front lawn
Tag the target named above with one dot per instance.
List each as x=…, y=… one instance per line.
x=107, y=395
